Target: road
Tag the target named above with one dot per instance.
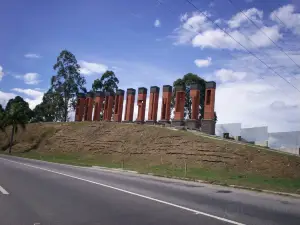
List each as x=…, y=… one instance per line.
x=42, y=193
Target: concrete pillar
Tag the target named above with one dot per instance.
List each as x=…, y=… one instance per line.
x=208, y=122
x=194, y=122
x=118, y=105
x=129, y=109
x=153, y=105
x=108, y=106
x=141, y=102
x=89, y=103
x=80, y=107
x=166, y=104
x=99, y=98
x=179, y=106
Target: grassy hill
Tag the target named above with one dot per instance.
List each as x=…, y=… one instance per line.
x=160, y=151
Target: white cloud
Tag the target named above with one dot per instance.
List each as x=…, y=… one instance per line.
x=225, y=75
x=1, y=73
x=203, y=62
x=252, y=103
x=90, y=68
x=190, y=27
x=183, y=17
x=211, y=4
x=34, y=97
x=32, y=56
x=5, y=96
x=31, y=78
x=30, y=92
x=157, y=23
x=287, y=17
x=199, y=32
x=218, y=39
x=240, y=18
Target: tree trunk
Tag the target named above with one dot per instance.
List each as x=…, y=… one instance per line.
x=66, y=103
x=11, y=138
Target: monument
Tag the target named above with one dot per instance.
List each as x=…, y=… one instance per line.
x=89, y=101
x=129, y=108
x=166, y=105
x=119, y=99
x=153, y=105
x=108, y=106
x=194, y=122
x=208, y=122
x=141, y=102
x=179, y=106
x=99, y=98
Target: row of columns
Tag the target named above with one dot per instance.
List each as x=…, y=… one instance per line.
x=85, y=105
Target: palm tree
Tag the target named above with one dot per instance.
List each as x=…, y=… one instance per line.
x=15, y=118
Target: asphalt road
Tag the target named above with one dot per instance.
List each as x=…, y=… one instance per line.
x=41, y=193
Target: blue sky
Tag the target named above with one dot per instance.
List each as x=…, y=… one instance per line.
x=150, y=43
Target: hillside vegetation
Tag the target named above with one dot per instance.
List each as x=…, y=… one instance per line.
x=159, y=150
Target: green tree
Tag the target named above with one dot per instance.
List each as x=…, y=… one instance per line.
x=108, y=82
x=67, y=82
x=15, y=117
x=50, y=109
x=25, y=106
x=187, y=80
x=3, y=120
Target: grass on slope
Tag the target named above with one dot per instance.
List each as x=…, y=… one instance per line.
x=216, y=176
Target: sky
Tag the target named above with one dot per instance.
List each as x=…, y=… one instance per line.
x=256, y=64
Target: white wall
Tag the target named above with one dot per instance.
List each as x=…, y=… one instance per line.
x=234, y=129
x=255, y=134
x=285, y=141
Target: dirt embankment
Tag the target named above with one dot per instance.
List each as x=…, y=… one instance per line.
x=149, y=144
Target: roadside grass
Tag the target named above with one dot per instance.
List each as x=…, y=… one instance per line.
x=214, y=176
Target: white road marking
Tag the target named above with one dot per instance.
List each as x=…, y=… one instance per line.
x=133, y=193
x=3, y=191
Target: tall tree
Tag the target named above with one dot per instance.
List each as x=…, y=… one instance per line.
x=25, y=106
x=187, y=81
x=50, y=109
x=108, y=82
x=1, y=108
x=15, y=117
x=2, y=120
x=68, y=82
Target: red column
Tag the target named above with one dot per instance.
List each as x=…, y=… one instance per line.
x=194, y=122
x=119, y=105
x=129, y=109
x=88, y=106
x=108, y=106
x=99, y=98
x=208, y=122
x=195, y=95
x=179, y=106
x=80, y=107
x=166, y=104
x=142, y=96
x=153, y=105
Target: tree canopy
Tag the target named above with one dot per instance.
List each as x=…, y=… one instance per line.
x=14, y=116
x=107, y=83
x=67, y=82
x=23, y=104
x=50, y=109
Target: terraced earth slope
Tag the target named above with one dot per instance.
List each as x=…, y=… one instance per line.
x=143, y=145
